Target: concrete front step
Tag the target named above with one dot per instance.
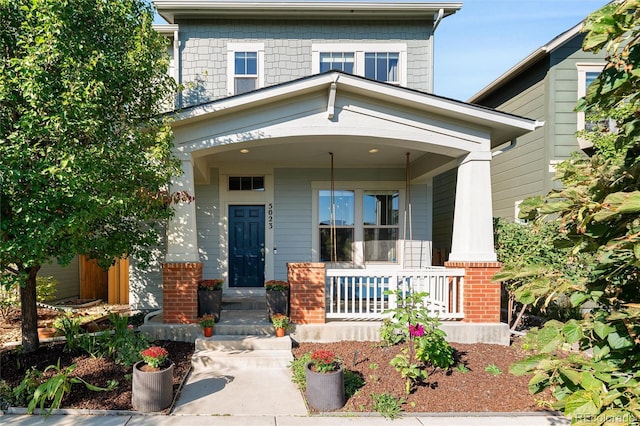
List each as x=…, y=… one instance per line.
x=228, y=352
x=243, y=343
x=224, y=360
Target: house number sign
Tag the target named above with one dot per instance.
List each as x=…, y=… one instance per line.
x=270, y=215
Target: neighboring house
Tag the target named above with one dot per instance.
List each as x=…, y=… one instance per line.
x=546, y=86
x=310, y=138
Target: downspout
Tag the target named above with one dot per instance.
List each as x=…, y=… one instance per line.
x=176, y=65
x=436, y=21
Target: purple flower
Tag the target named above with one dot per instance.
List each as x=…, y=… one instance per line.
x=416, y=330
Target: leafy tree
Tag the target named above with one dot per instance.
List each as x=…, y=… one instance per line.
x=598, y=382
x=85, y=155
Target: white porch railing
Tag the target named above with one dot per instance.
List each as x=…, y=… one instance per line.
x=359, y=293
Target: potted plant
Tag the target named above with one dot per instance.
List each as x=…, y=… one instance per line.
x=210, y=298
x=277, y=294
x=152, y=383
x=325, y=381
x=280, y=323
x=207, y=322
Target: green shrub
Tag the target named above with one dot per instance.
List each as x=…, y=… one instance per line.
x=353, y=382
x=387, y=405
x=69, y=325
x=298, y=370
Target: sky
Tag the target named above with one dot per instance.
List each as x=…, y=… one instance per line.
x=485, y=38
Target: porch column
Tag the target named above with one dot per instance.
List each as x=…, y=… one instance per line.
x=182, y=240
x=472, y=239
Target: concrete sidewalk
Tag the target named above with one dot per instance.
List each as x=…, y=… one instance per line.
x=463, y=419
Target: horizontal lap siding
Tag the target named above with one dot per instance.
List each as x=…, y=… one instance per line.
x=444, y=194
x=68, y=278
x=208, y=218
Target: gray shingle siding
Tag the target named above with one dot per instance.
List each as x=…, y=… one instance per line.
x=287, y=44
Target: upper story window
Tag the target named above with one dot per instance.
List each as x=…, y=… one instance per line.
x=245, y=67
x=382, y=66
x=381, y=61
x=587, y=73
x=342, y=61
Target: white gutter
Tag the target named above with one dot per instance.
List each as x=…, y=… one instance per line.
x=436, y=21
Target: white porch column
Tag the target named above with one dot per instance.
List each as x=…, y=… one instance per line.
x=473, y=219
x=182, y=237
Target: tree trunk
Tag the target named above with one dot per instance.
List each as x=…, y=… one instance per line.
x=29, y=311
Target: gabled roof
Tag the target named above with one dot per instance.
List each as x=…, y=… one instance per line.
x=419, y=10
x=503, y=126
x=529, y=61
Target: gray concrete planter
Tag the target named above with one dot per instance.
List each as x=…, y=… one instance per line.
x=325, y=391
x=151, y=390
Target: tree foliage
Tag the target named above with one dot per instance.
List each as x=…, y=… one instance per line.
x=85, y=155
x=593, y=365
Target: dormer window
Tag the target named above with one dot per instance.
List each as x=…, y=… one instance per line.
x=245, y=67
x=381, y=61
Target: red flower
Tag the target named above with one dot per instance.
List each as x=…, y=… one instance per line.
x=155, y=356
x=325, y=361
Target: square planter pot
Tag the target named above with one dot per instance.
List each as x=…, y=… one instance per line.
x=277, y=302
x=210, y=303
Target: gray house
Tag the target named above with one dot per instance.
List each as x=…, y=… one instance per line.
x=545, y=86
x=310, y=138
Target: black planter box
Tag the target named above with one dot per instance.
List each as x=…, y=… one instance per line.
x=210, y=303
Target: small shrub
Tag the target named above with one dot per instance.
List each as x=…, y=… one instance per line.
x=55, y=388
x=461, y=368
x=387, y=405
x=493, y=369
x=353, y=382
x=298, y=370
x=70, y=327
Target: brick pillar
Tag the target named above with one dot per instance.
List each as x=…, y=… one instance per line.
x=180, y=292
x=481, y=294
x=306, y=292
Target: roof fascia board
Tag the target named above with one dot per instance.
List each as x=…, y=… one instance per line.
x=170, y=9
x=527, y=62
x=456, y=110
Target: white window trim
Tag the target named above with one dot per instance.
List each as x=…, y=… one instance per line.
x=358, y=232
x=232, y=48
x=583, y=69
x=359, y=49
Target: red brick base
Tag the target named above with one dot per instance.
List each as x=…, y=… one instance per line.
x=306, y=292
x=481, y=294
x=180, y=292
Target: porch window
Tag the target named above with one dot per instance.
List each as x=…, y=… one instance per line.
x=344, y=225
x=246, y=183
x=380, y=221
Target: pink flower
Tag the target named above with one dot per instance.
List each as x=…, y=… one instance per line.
x=416, y=330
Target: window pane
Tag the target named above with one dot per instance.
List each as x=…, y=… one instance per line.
x=380, y=244
x=380, y=208
x=344, y=241
x=344, y=208
x=590, y=76
x=234, y=183
x=342, y=61
x=252, y=63
x=244, y=85
x=381, y=66
x=246, y=63
x=370, y=65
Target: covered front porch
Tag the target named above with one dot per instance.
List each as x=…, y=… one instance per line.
x=303, y=143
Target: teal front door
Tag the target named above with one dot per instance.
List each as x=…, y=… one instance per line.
x=246, y=246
